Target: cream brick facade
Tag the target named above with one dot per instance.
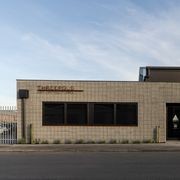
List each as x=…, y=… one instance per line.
x=151, y=99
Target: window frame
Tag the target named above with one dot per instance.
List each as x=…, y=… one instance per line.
x=43, y=113
x=90, y=113
x=93, y=120
x=136, y=118
x=66, y=116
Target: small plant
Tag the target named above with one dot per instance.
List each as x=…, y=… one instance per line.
x=44, y=142
x=56, y=141
x=101, y=142
x=36, y=141
x=147, y=141
x=21, y=141
x=67, y=141
x=125, y=141
x=90, y=142
x=79, y=141
x=112, y=141
x=136, y=142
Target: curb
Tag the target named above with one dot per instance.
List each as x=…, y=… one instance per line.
x=91, y=148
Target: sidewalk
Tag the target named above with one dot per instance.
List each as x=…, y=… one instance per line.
x=161, y=147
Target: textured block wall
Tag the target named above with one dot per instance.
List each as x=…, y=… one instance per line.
x=151, y=99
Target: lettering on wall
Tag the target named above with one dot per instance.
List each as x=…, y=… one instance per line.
x=69, y=89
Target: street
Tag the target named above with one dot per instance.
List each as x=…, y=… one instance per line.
x=94, y=165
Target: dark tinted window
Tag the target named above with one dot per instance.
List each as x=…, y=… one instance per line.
x=77, y=114
x=95, y=113
x=103, y=114
x=126, y=114
x=53, y=114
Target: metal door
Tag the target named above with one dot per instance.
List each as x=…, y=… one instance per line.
x=173, y=121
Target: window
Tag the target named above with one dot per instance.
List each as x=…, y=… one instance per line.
x=53, y=114
x=103, y=114
x=65, y=113
x=126, y=114
x=77, y=114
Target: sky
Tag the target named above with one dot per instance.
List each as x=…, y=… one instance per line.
x=85, y=40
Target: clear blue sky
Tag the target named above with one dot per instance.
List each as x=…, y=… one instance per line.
x=84, y=39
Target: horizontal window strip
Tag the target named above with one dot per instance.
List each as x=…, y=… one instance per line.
x=94, y=114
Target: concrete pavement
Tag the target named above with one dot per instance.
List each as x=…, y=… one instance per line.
x=170, y=146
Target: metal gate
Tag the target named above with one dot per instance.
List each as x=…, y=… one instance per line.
x=8, y=125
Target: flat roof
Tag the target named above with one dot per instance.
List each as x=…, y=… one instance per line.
x=73, y=80
x=164, y=67
x=103, y=81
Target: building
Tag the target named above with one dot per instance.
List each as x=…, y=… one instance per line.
x=8, y=114
x=159, y=74
x=148, y=109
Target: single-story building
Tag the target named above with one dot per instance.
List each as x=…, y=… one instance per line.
x=148, y=109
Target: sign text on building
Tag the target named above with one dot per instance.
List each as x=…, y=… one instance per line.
x=59, y=88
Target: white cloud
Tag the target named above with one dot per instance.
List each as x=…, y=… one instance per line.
x=109, y=50
x=117, y=49
x=113, y=51
x=151, y=40
x=48, y=51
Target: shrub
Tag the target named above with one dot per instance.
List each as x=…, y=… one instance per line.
x=56, y=141
x=136, y=142
x=112, y=141
x=101, y=142
x=44, y=142
x=90, y=142
x=21, y=141
x=79, y=141
x=36, y=141
x=67, y=141
x=125, y=141
x=147, y=141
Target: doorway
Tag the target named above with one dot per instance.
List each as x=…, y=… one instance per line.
x=173, y=120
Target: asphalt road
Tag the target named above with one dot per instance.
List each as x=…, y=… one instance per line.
x=79, y=165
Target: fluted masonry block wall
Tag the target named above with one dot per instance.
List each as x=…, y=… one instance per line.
x=151, y=99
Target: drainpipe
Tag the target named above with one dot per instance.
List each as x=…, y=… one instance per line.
x=23, y=94
x=23, y=119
